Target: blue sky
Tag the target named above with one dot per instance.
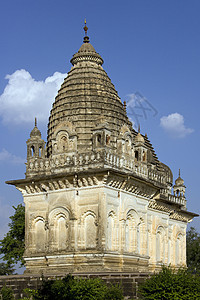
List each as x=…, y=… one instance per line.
x=151, y=49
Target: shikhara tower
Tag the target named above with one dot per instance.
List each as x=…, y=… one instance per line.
x=97, y=198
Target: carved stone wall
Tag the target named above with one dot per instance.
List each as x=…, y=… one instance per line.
x=97, y=223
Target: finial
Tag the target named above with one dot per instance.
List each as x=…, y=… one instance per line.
x=179, y=173
x=85, y=28
x=86, y=38
x=35, y=122
x=139, y=128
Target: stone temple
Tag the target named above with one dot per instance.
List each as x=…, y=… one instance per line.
x=96, y=196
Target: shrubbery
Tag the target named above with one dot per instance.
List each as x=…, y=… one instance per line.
x=70, y=288
x=168, y=284
x=7, y=293
x=171, y=284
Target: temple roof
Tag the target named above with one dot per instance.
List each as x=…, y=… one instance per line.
x=89, y=128
x=86, y=94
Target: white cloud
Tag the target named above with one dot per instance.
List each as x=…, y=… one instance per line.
x=7, y=157
x=174, y=125
x=24, y=98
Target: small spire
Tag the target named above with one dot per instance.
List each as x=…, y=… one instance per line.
x=35, y=122
x=86, y=38
x=179, y=173
x=139, y=128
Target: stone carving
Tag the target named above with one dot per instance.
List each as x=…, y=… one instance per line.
x=97, y=197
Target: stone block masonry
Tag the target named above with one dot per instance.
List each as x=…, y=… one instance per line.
x=128, y=281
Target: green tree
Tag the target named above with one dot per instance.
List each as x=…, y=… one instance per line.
x=193, y=250
x=12, y=245
x=171, y=284
x=6, y=269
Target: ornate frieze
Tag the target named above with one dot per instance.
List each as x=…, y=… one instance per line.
x=108, y=179
x=173, y=211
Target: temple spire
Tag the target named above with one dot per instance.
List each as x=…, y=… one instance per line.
x=86, y=38
x=35, y=122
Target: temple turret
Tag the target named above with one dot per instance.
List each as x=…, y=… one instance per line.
x=35, y=144
x=35, y=147
x=179, y=187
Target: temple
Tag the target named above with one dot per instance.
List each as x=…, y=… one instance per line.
x=96, y=196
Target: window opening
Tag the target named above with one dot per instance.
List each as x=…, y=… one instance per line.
x=32, y=150
x=98, y=139
x=136, y=155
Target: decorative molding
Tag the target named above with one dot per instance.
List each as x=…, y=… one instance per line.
x=94, y=160
x=173, y=214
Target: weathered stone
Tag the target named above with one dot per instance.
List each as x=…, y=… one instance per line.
x=97, y=198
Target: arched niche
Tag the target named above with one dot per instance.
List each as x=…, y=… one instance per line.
x=62, y=233
x=131, y=231
x=39, y=234
x=89, y=230
x=160, y=244
x=64, y=139
x=111, y=231
x=59, y=228
x=62, y=142
x=179, y=249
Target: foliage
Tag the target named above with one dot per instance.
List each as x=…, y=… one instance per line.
x=7, y=293
x=193, y=250
x=171, y=284
x=6, y=269
x=12, y=245
x=30, y=294
x=70, y=288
